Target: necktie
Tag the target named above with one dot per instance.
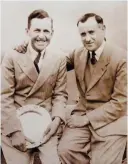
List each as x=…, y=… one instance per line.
x=93, y=59
x=36, y=61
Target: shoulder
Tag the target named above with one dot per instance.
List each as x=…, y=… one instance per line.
x=78, y=51
x=116, y=53
x=56, y=55
x=10, y=56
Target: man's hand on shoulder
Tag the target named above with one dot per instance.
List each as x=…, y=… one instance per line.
x=18, y=141
x=22, y=48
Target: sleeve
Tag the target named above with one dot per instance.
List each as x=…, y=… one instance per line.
x=116, y=107
x=9, y=121
x=60, y=96
x=70, y=61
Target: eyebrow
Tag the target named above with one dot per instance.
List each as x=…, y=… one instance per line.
x=36, y=29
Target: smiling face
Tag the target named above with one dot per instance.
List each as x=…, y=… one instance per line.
x=92, y=33
x=40, y=33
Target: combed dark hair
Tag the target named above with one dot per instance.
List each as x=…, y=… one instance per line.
x=37, y=14
x=84, y=18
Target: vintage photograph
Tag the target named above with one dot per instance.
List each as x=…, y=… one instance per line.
x=64, y=82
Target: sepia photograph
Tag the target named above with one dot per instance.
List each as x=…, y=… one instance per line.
x=63, y=82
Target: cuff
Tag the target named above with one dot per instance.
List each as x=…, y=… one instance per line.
x=96, y=120
x=59, y=113
x=10, y=126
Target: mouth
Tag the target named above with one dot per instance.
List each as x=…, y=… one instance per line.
x=89, y=43
x=40, y=42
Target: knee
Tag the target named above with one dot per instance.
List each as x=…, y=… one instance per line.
x=63, y=149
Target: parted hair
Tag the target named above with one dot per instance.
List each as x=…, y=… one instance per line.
x=40, y=13
x=85, y=17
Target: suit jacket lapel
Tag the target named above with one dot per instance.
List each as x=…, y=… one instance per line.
x=80, y=67
x=101, y=67
x=27, y=66
x=45, y=71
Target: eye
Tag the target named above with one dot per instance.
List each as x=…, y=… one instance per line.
x=91, y=32
x=83, y=34
x=46, y=31
x=37, y=30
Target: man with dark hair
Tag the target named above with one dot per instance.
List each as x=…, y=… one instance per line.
x=98, y=122
x=37, y=77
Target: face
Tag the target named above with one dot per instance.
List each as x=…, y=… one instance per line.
x=40, y=33
x=92, y=34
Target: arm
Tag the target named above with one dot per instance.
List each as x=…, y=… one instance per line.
x=70, y=57
x=11, y=126
x=116, y=107
x=59, y=100
x=10, y=122
x=60, y=96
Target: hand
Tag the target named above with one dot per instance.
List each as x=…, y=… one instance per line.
x=18, y=141
x=77, y=121
x=51, y=130
x=21, y=48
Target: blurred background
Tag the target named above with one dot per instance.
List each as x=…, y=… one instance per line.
x=65, y=15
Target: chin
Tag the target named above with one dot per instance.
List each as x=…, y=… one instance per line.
x=41, y=48
x=90, y=48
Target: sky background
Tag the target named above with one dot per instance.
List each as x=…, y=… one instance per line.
x=65, y=15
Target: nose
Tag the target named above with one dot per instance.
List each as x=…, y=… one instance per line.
x=42, y=35
x=88, y=38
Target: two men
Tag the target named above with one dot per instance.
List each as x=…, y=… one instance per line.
x=98, y=122
x=36, y=77
x=96, y=127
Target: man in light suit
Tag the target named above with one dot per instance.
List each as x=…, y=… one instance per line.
x=98, y=122
x=36, y=77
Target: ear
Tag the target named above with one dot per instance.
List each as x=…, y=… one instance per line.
x=104, y=27
x=26, y=30
x=52, y=32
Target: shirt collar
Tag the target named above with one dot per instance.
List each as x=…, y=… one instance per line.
x=99, y=51
x=33, y=53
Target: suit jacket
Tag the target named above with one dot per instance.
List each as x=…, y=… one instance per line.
x=104, y=100
x=22, y=85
